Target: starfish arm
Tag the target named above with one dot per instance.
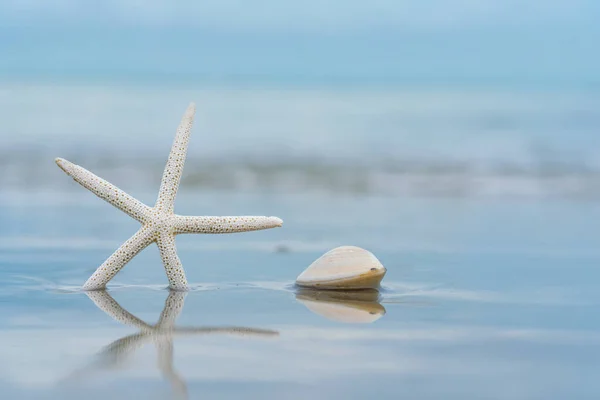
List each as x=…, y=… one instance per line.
x=172, y=264
x=174, y=168
x=233, y=330
x=111, y=357
x=109, y=305
x=122, y=349
x=113, y=264
x=164, y=348
x=185, y=224
x=105, y=190
x=172, y=310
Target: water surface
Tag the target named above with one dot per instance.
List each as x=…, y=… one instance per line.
x=491, y=299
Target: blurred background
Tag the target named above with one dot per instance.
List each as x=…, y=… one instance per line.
x=458, y=140
x=396, y=98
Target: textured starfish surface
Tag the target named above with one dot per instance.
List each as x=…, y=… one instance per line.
x=161, y=334
x=159, y=223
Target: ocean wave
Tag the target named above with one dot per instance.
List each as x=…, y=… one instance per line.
x=399, y=177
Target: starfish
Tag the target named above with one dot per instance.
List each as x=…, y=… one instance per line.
x=159, y=223
x=161, y=334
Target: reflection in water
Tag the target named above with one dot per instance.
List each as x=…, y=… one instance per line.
x=161, y=334
x=349, y=306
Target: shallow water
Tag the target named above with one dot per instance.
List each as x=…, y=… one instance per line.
x=487, y=299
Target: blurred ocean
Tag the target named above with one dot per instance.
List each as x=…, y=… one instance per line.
x=390, y=141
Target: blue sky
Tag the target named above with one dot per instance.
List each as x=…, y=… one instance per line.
x=314, y=40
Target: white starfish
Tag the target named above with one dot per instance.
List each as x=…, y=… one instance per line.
x=161, y=334
x=159, y=223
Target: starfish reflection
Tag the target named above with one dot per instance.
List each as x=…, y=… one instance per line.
x=161, y=334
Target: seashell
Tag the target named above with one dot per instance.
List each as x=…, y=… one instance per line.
x=353, y=306
x=346, y=267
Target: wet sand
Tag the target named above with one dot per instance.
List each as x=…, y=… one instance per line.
x=483, y=299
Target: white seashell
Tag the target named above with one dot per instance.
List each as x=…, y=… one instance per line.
x=346, y=267
x=354, y=307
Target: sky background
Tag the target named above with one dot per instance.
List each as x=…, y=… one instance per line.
x=547, y=43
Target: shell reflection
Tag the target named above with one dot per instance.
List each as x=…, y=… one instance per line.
x=347, y=306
